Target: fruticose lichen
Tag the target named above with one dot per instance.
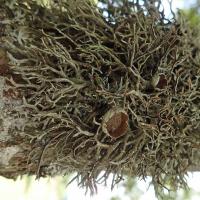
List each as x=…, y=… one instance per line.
x=72, y=62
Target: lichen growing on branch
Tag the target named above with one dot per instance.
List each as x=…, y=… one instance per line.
x=74, y=63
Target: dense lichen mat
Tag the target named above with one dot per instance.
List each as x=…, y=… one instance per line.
x=113, y=89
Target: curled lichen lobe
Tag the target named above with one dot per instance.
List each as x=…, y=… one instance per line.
x=115, y=123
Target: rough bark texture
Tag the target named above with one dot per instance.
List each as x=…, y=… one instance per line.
x=64, y=69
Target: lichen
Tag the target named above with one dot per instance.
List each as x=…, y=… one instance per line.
x=71, y=66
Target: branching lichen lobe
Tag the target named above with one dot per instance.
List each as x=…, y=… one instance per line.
x=72, y=66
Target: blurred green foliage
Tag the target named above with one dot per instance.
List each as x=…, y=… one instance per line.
x=193, y=16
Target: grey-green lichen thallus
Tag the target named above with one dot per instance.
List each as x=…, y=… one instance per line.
x=116, y=94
